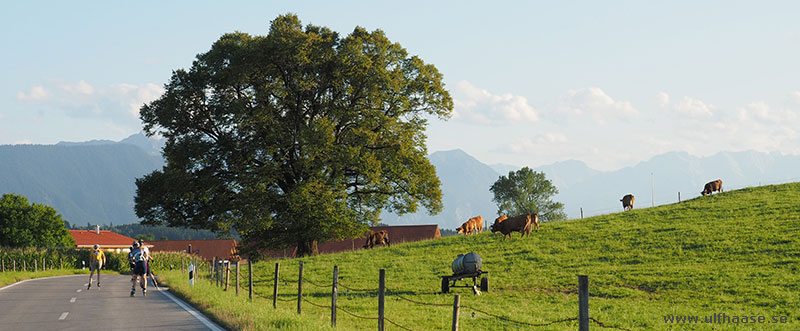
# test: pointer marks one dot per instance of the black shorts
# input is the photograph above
(139, 268)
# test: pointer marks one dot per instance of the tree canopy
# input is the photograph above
(293, 138)
(31, 225)
(526, 192)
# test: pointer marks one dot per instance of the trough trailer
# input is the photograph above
(464, 267)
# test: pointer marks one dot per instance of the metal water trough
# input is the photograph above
(466, 266)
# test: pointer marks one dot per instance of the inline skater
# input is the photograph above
(97, 260)
(138, 259)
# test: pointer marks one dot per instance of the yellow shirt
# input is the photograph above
(98, 255)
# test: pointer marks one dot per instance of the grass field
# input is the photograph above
(734, 253)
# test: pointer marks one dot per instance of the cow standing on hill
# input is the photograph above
(712, 186)
(521, 223)
(377, 238)
(474, 224)
(627, 202)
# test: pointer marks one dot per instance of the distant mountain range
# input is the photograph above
(91, 182)
(94, 182)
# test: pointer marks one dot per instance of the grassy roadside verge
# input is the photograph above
(236, 312)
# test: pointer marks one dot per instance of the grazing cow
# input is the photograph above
(535, 221)
(627, 202)
(377, 238)
(712, 186)
(474, 224)
(478, 222)
(521, 223)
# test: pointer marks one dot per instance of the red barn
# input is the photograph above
(208, 249)
(108, 241)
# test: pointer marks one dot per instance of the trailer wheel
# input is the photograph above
(485, 284)
(445, 284)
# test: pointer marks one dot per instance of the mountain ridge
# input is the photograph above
(94, 181)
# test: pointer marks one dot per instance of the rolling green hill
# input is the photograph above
(736, 253)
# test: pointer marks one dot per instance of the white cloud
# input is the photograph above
(37, 93)
(795, 98)
(116, 103)
(22, 142)
(662, 99)
(132, 96)
(550, 137)
(594, 102)
(546, 141)
(79, 88)
(480, 106)
(694, 108)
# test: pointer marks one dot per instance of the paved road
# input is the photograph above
(64, 303)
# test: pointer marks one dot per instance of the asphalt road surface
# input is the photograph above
(64, 303)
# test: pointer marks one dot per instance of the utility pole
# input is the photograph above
(652, 190)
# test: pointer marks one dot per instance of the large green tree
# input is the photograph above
(31, 225)
(294, 138)
(525, 192)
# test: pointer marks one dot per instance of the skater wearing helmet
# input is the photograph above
(138, 259)
(96, 261)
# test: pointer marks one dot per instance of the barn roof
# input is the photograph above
(206, 248)
(397, 234)
(106, 239)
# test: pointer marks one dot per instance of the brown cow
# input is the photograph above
(478, 222)
(377, 238)
(501, 218)
(535, 221)
(712, 186)
(474, 224)
(627, 202)
(521, 223)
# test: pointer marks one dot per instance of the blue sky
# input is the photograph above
(610, 83)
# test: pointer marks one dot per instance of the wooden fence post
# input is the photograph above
(679, 196)
(275, 287)
(381, 292)
(456, 307)
(583, 303)
(227, 274)
(35, 265)
(237, 278)
(300, 288)
(213, 273)
(250, 275)
(334, 294)
(61, 262)
(24, 266)
(581, 212)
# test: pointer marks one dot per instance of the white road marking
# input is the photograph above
(79, 291)
(63, 316)
(211, 325)
(72, 300)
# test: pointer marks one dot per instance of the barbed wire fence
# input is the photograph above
(456, 306)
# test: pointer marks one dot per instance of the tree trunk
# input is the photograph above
(307, 248)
